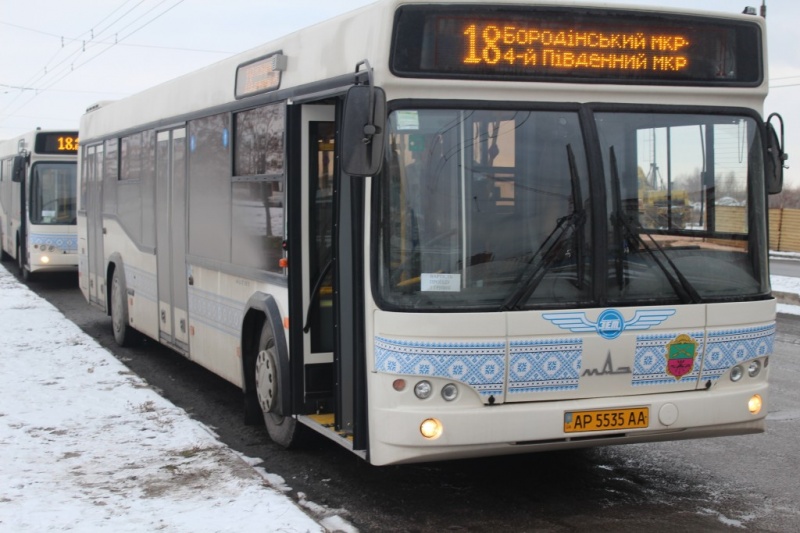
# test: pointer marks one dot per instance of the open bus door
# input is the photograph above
(18, 174)
(328, 383)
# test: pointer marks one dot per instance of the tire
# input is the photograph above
(23, 273)
(3, 255)
(124, 334)
(283, 430)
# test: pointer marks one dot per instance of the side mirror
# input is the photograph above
(363, 125)
(18, 170)
(776, 157)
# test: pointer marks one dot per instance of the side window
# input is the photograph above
(110, 176)
(111, 160)
(131, 167)
(259, 141)
(210, 187)
(258, 187)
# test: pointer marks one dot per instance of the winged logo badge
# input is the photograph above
(610, 324)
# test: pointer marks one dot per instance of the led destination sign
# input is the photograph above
(573, 45)
(57, 143)
(260, 76)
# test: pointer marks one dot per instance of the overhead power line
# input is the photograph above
(62, 70)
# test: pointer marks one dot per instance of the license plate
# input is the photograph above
(606, 419)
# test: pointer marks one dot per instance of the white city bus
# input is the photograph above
(38, 201)
(424, 229)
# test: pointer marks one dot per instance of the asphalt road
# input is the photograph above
(733, 483)
(784, 267)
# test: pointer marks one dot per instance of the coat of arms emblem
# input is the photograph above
(681, 353)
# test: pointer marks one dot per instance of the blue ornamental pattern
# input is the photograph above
(549, 365)
(729, 348)
(480, 365)
(62, 241)
(218, 312)
(650, 360)
(144, 284)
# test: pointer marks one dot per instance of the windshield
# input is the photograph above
(53, 194)
(485, 208)
(686, 207)
(491, 210)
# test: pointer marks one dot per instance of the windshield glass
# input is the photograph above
(484, 208)
(686, 206)
(53, 194)
(491, 210)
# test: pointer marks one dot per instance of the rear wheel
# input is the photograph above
(124, 334)
(268, 384)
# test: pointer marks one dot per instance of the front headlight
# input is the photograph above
(423, 389)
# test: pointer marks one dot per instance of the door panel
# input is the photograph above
(94, 212)
(318, 130)
(171, 236)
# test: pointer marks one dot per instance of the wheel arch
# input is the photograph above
(263, 309)
(114, 263)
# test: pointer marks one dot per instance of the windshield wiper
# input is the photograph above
(681, 285)
(536, 270)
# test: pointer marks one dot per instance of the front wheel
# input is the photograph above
(24, 273)
(282, 429)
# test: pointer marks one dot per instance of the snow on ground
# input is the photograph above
(88, 446)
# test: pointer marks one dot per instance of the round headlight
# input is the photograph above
(450, 392)
(423, 389)
(736, 373)
(754, 368)
(754, 404)
(431, 428)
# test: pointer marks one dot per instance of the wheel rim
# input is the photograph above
(266, 380)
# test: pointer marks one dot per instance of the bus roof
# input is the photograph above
(332, 49)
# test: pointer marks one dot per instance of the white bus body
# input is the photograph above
(38, 206)
(510, 296)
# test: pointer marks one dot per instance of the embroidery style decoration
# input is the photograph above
(728, 348)
(549, 365)
(480, 365)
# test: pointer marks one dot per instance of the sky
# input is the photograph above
(58, 58)
(87, 446)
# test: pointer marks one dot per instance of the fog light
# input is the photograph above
(431, 428)
(423, 389)
(44, 259)
(399, 384)
(754, 368)
(754, 404)
(736, 373)
(450, 392)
